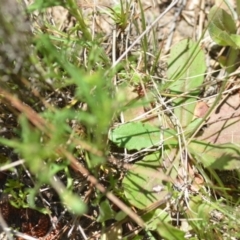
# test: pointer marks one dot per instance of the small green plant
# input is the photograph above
(120, 14)
(18, 196)
(148, 181)
(223, 30)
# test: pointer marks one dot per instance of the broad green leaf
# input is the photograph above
(220, 156)
(222, 38)
(184, 110)
(186, 69)
(145, 183)
(168, 232)
(222, 20)
(198, 206)
(137, 135)
(236, 39)
(106, 212)
(192, 126)
(156, 217)
(199, 209)
(221, 26)
(119, 216)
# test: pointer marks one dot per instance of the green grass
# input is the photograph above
(97, 121)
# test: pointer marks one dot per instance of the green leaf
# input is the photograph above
(120, 215)
(221, 26)
(168, 232)
(236, 39)
(49, 170)
(73, 203)
(186, 60)
(192, 126)
(220, 37)
(154, 218)
(145, 183)
(222, 20)
(186, 69)
(41, 4)
(220, 156)
(184, 110)
(106, 212)
(136, 135)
